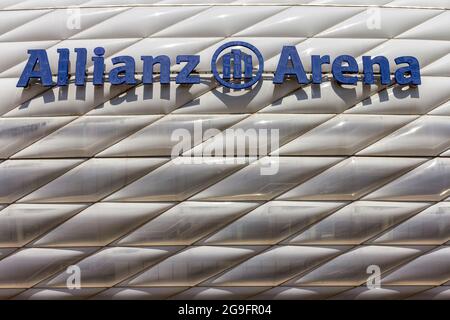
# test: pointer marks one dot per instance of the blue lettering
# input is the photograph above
(409, 74)
(383, 63)
(164, 69)
(122, 74)
(316, 67)
(289, 55)
(63, 67)
(99, 66)
(38, 58)
(185, 74)
(80, 67)
(236, 64)
(338, 69)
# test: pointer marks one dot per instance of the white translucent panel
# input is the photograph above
(13, 96)
(442, 110)
(18, 133)
(379, 23)
(111, 265)
(431, 29)
(14, 19)
(210, 2)
(172, 132)
(5, 251)
(100, 224)
(153, 99)
(20, 177)
(383, 293)
(138, 293)
(327, 97)
(21, 223)
(274, 266)
(351, 178)
(272, 222)
(344, 135)
(357, 222)
(9, 293)
(94, 179)
(431, 268)
(7, 3)
(266, 178)
(58, 294)
(219, 21)
(59, 24)
(350, 268)
(186, 223)
(421, 3)
(233, 240)
(16, 66)
(438, 293)
(265, 132)
(32, 4)
(431, 226)
(350, 2)
(428, 182)
(14, 53)
(85, 136)
(27, 267)
(222, 293)
(222, 100)
(427, 136)
(304, 293)
(234, 2)
(327, 46)
(66, 101)
(192, 266)
(299, 22)
(178, 179)
(407, 100)
(118, 2)
(439, 68)
(149, 20)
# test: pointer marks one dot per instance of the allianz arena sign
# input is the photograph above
(237, 68)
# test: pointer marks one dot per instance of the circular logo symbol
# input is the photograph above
(237, 57)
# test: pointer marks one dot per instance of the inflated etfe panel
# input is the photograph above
(355, 181)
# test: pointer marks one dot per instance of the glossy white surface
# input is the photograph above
(86, 174)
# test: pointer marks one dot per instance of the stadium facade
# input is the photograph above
(131, 170)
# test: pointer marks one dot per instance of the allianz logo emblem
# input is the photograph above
(237, 57)
(235, 65)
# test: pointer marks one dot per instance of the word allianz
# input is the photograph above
(344, 68)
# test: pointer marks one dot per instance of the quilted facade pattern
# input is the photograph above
(88, 179)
